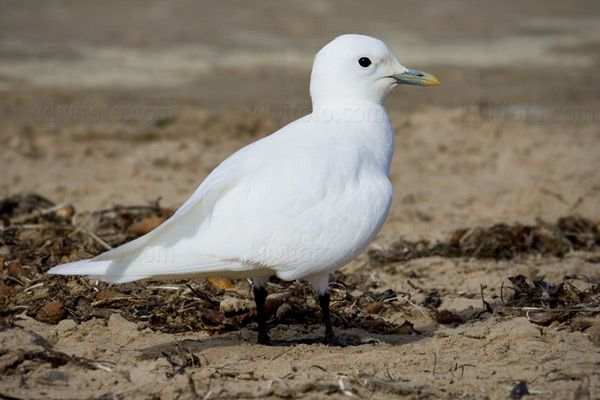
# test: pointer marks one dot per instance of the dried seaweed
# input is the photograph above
(500, 242)
(45, 237)
(12, 358)
(545, 304)
(37, 235)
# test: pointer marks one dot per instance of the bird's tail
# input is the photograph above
(186, 267)
(95, 270)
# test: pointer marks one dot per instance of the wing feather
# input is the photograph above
(168, 250)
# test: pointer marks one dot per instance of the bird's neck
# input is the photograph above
(367, 122)
(350, 111)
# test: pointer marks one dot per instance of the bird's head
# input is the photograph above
(360, 68)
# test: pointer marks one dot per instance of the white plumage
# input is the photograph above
(300, 203)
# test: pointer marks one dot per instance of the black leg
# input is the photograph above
(260, 295)
(330, 338)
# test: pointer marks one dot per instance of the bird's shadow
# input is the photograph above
(348, 338)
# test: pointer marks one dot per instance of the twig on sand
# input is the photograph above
(24, 226)
(9, 397)
(37, 285)
(486, 305)
(387, 369)
(150, 287)
(462, 368)
(98, 239)
(416, 306)
(280, 354)
(38, 213)
(154, 207)
(192, 387)
(561, 310)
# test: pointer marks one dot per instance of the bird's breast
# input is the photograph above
(313, 205)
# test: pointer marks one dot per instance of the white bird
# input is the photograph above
(299, 204)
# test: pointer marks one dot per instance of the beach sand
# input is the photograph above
(122, 104)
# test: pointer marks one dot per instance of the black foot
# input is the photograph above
(332, 340)
(260, 295)
(264, 339)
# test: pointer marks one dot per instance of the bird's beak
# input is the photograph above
(414, 77)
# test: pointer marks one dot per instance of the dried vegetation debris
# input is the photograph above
(500, 242)
(562, 305)
(37, 235)
(43, 352)
(541, 302)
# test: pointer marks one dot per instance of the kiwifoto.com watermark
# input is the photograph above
(281, 113)
(290, 112)
(83, 112)
(501, 112)
(145, 255)
(280, 255)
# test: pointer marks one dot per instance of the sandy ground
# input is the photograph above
(114, 103)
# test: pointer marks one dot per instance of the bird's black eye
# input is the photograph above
(364, 62)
